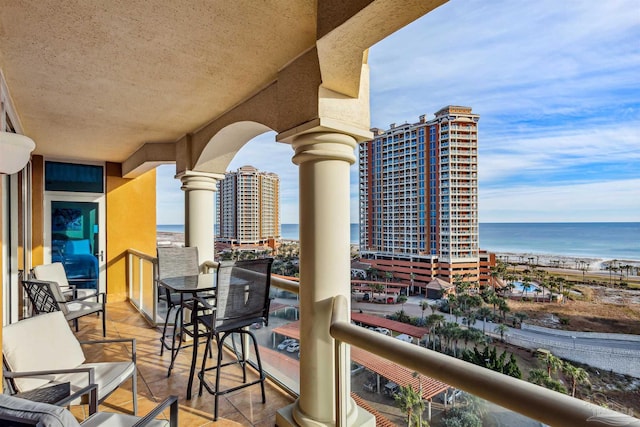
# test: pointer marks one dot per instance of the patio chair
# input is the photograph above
(55, 272)
(175, 262)
(242, 299)
(42, 350)
(46, 297)
(17, 412)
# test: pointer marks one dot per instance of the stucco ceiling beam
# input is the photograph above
(345, 33)
(147, 157)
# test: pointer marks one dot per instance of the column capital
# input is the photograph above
(194, 180)
(324, 146)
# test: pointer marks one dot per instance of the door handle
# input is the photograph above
(101, 256)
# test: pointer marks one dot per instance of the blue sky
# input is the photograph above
(557, 88)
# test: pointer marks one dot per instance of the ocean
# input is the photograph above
(608, 240)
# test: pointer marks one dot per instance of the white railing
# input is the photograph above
(143, 294)
(533, 401)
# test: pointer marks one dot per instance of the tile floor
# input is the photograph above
(243, 407)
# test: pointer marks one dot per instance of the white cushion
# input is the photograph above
(108, 376)
(40, 343)
(55, 273)
(107, 419)
(46, 415)
(52, 273)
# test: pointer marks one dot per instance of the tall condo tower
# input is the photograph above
(419, 196)
(248, 207)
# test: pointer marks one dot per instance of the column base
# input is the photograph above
(284, 418)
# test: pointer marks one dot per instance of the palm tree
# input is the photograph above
(402, 299)
(537, 376)
(483, 313)
(521, 316)
(501, 329)
(526, 285)
(409, 402)
(576, 375)
(537, 291)
(423, 306)
(433, 323)
(552, 361)
(379, 288)
(388, 275)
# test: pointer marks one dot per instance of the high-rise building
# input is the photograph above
(248, 207)
(419, 198)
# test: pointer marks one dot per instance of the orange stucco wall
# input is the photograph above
(37, 210)
(131, 224)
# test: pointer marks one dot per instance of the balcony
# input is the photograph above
(366, 347)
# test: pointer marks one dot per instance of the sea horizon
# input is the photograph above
(600, 240)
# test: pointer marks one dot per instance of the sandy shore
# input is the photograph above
(165, 238)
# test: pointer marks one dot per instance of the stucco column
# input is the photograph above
(324, 160)
(199, 215)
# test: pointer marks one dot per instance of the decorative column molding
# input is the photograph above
(324, 159)
(199, 213)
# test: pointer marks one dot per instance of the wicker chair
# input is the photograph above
(242, 299)
(47, 297)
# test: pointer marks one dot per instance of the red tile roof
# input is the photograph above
(390, 370)
(381, 420)
(403, 328)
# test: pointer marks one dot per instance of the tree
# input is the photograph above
(423, 306)
(504, 309)
(459, 417)
(483, 313)
(552, 362)
(434, 322)
(402, 299)
(388, 275)
(409, 402)
(576, 376)
(379, 288)
(501, 329)
(526, 285)
(521, 316)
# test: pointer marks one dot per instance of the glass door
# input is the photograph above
(74, 237)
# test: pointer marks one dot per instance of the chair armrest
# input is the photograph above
(172, 402)
(91, 390)
(114, 341)
(210, 265)
(98, 296)
(14, 374)
(202, 300)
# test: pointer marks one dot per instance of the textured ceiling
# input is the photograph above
(98, 79)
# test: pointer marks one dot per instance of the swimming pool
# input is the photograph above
(517, 286)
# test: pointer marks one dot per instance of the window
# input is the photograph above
(73, 177)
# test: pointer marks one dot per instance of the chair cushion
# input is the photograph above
(46, 415)
(108, 376)
(52, 273)
(55, 272)
(40, 343)
(76, 309)
(107, 419)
